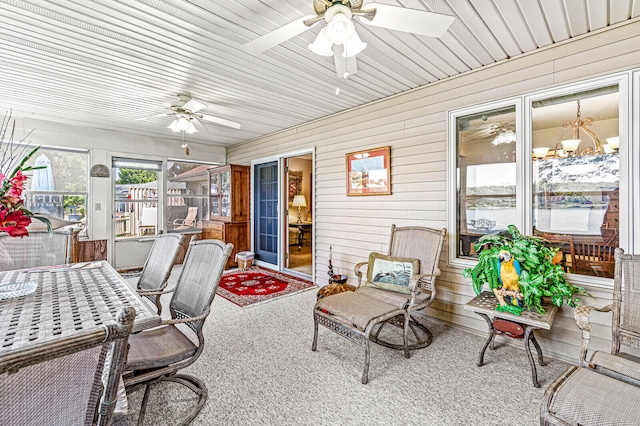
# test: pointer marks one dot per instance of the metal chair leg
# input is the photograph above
(145, 399)
(367, 353)
(314, 345)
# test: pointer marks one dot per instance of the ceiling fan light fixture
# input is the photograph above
(191, 129)
(174, 125)
(340, 29)
(353, 46)
(183, 124)
(322, 45)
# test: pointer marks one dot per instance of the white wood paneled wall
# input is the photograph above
(414, 125)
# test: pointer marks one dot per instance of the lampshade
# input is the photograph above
(340, 29)
(183, 124)
(299, 201)
(353, 45)
(192, 128)
(540, 152)
(174, 125)
(614, 142)
(570, 145)
(322, 45)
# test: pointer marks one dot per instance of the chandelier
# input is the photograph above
(571, 147)
(503, 135)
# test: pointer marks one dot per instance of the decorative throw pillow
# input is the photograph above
(391, 273)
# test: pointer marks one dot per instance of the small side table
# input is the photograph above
(485, 305)
(337, 286)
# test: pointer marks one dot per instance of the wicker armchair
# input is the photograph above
(360, 316)
(38, 249)
(62, 381)
(157, 268)
(158, 354)
(601, 390)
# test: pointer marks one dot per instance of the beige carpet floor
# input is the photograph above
(260, 370)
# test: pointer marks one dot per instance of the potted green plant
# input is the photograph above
(521, 270)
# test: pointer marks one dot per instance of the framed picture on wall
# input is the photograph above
(369, 172)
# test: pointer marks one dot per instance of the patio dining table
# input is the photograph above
(68, 300)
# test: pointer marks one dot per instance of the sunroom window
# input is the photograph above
(59, 187)
(486, 181)
(187, 194)
(564, 184)
(576, 177)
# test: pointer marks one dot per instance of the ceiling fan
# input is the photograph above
(186, 112)
(339, 38)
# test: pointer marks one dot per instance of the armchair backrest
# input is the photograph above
(157, 268)
(626, 301)
(420, 243)
(201, 272)
(61, 381)
(39, 248)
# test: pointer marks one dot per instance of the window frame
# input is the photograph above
(629, 167)
(86, 193)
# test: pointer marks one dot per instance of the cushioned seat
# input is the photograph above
(356, 309)
(158, 346)
(620, 364)
(400, 300)
(581, 396)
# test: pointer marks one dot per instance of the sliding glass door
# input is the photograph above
(266, 212)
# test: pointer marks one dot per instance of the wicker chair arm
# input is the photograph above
(185, 320)
(581, 315)
(413, 284)
(155, 292)
(358, 272)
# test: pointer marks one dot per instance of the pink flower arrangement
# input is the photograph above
(14, 216)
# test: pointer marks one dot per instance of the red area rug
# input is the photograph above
(256, 285)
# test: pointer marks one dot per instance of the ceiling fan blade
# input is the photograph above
(199, 126)
(278, 36)
(408, 20)
(154, 116)
(221, 121)
(193, 105)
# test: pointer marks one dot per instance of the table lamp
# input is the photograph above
(299, 201)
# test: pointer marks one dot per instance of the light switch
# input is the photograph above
(97, 207)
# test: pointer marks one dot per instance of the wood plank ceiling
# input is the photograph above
(104, 64)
